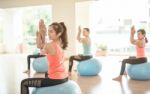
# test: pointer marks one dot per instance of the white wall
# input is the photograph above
(82, 13)
(82, 18)
(21, 3)
(12, 27)
(8, 39)
(66, 12)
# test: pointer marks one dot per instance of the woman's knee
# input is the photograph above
(29, 56)
(24, 82)
(71, 58)
(124, 61)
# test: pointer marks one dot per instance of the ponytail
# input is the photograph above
(146, 40)
(64, 37)
(143, 33)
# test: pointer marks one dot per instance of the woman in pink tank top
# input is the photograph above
(140, 50)
(57, 73)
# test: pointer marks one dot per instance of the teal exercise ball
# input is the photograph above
(139, 71)
(40, 64)
(69, 87)
(90, 67)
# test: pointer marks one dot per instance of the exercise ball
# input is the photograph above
(69, 87)
(139, 71)
(40, 64)
(90, 67)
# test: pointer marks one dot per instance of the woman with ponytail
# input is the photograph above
(140, 50)
(53, 50)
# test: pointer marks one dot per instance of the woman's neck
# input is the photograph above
(86, 36)
(141, 38)
(57, 41)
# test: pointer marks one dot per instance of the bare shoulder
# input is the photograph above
(86, 40)
(140, 43)
(50, 48)
(83, 40)
(49, 45)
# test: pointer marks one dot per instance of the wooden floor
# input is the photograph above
(12, 67)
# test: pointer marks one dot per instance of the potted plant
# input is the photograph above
(101, 50)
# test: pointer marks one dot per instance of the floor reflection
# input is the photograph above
(87, 83)
(139, 87)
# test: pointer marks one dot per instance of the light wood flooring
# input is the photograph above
(13, 65)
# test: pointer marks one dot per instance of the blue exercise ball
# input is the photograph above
(90, 67)
(139, 71)
(40, 64)
(69, 87)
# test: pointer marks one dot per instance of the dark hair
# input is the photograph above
(143, 33)
(61, 28)
(87, 29)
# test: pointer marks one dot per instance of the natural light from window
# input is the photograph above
(111, 21)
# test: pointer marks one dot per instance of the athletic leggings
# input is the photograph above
(82, 58)
(131, 60)
(39, 82)
(32, 56)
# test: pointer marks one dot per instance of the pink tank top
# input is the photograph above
(56, 64)
(140, 52)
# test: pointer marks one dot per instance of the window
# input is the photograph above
(21, 24)
(111, 23)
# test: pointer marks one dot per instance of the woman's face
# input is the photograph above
(140, 35)
(85, 32)
(52, 33)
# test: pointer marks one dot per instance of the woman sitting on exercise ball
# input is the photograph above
(86, 42)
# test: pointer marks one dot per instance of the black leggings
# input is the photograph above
(32, 56)
(131, 60)
(39, 82)
(81, 58)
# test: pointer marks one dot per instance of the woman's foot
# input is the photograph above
(75, 70)
(125, 73)
(27, 71)
(119, 78)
